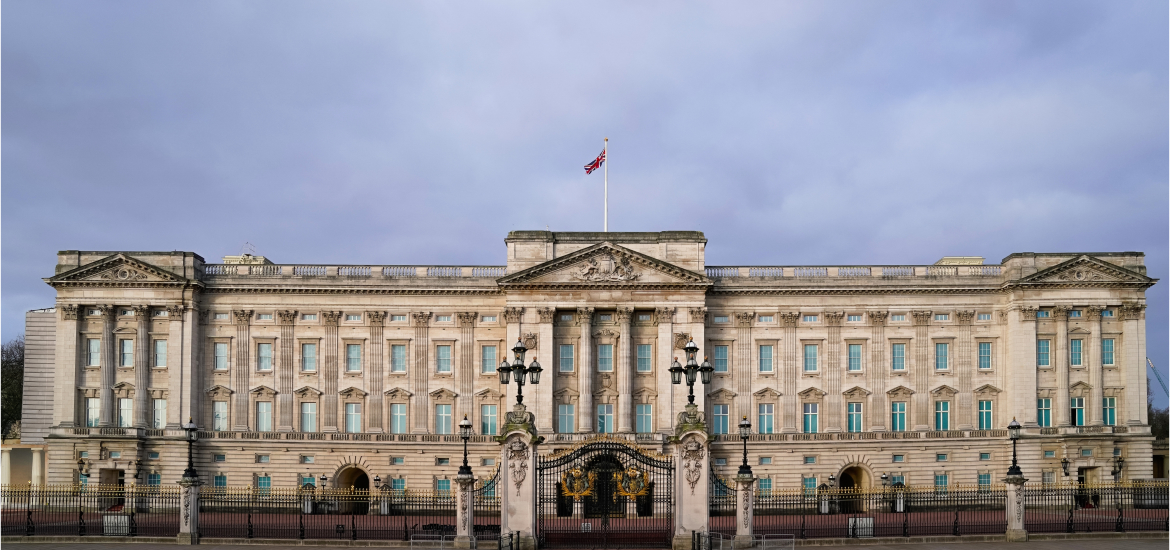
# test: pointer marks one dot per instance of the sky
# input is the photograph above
(827, 132)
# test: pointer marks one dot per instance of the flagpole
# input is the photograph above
(605, 155)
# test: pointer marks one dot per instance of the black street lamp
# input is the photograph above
(885, 480)
(1118, 464)
(465, 433)
(1014, 434)
(691, 370)
(323, 479)
(1064, 466)
(517, 368)
(832, 481)
(745, 430)
(190, 429)
(81, 469)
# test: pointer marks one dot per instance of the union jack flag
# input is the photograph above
(597, 162)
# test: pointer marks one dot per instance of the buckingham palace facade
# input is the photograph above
(297, 371)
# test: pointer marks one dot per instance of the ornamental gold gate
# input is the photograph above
(605, 493)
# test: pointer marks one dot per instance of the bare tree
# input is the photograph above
(11, 382)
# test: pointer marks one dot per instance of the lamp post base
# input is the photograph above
(187, 538)
(1016, 535)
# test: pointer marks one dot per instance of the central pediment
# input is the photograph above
(605, 264)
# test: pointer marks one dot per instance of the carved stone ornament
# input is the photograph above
(789, 318)
(877, 317)
(376, 317)
(242, 316)
(204, 316)
(1080, 274)
(691, 418)
(921, 317)
(69, 312)
(546, 314)
(122, 274)
(330, 318)
(142, 312)
(624, 314)
(833, 318)
(1029, 313)
(605, 333)
(531, 339)
(519, 415)
(421, 319)
(663, 315)
(175, 312)
(584, 316)
(747, 502)
(513, 314)
(606, 268)
(698, 314)
(692, 458)
(1060, 312)
(965, 317)
(286, 316)
(1093, 312)
(518, 462)
(681, 339)
(1132, 311)
(467, 318)
(745, 319)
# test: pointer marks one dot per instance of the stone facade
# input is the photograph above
(296, 371)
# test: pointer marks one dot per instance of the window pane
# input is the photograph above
(308, 357)
(264, 357)
(898, 357)
(644, 357)
(1107, 351)
(644, 419)
(565, 357)
(308, 417)
(940, 356)
(984, 355)
(898, 416)
(442, 419)
(219, 416)
(605, 418)
(721, 419)
(605, 358)
(854, 357)
(159, 419)
(160, 353)
(125, 412)
(1075, 352)
(443, 358)
(720, 359)
(487, 420)
(94, 353)
(765, 358)
(398, 358)
(854, 420)
(1042, 353)
(766, 414)
(398, 418)
(127, 353)
(264, 416)
(487, 359)
(353, 357)
(810, 418)
(353, 417)
(565, 419)
(810, 357)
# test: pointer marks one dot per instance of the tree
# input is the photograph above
(1159, 418)
(11, 382)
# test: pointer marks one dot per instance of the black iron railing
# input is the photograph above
(90, 510)
(1079, 508)
(721, 495)
(485, 501)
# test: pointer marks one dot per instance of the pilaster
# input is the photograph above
(376, 366)
(542, 393)
(1060, 363)
(513, 317)
(109, 369)
(664, 319)
(698, 318)
(745, 363)
(242, 370)
(1092, 360)
(625, 373)
(1133, 363)
(920, 370)
(833, 404)
(142, 405)
(1022, 364)
(179, 377)
(69, 365)
(963, 367)
(789, 372)
(585, 371)
(878, 371)
(329, 371)
(465, 374)
(420, 371)
(286, 370)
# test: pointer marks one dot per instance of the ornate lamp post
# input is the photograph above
(465, 433)
(1118, 464)
(1014, 434)
(691, 370)
(1064, 466)
(517, 368)
(745, 430)
(190, 429)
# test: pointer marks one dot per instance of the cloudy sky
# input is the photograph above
(420, 133)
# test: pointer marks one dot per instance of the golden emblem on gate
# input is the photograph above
(632, 483)
(576, 483)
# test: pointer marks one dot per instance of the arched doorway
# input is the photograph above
(854, 480)
(358, 502)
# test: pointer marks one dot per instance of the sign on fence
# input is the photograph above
(116, 525)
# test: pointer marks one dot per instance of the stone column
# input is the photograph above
(964, 369)
(878, 371)
(517, 485)
(585, 371)
(179, 379)
(377, 363)
(330, 371)
(744, 510)
(920, 370)
(38, 467)
(286, 369)
(1022, 365)
(420, 372)
(542, 402)
(1092, 360)
(512, 316)
(142, 405)
(5, 467)
(1060, 364)
(467, 371)
(109, 369)
(832, 370)
(189, 519)
(1133, 363)
(790, 372)
(664, 319)
(242, 370)
(1014, 509)
(464, 512)
(625, 373)
(67, 368)
(746, 368)
(691, 453)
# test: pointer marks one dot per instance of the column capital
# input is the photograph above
(286, 316)
(789, 318)
(584, 316)
(698, 314)
(663, 315)
(921, 317)
(624, 314)
(105, 310)
(513, 314)
(242, 316)
(176, 310)
(421, 318)
(1028, 313)
(141, 311)
(1060, 313)
(877, 317)
(965, 316)
(546, 314)
(1132, 311)
(68, 312)
(833, 318)
(466, 318)
(744, 319)
(1093, 312)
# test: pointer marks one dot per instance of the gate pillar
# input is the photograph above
(189, 503)
(464, 511)
(691, 453)
(518, 477)
(745, 510)
(1014, 508)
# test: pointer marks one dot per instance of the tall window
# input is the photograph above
(898, 416)
(442, 419)
(442, 358)
(565, 358)
(1042, 347)
(984, 481)
(809, 485)
(353, 418)
(264, 357)
(605, 358)
(644, 419)
(854, 424)
(941, 351)
(605, 418)
(765, 358)
(940, 483)
(398, 418)
(154, 478)
(1074, 356)
(443, 486)
(398, 484)
(985, 415)
(126, 354)
(767, 413)
(1109, 410)
(219, 416)
(810, 418)
(264, 416)
(309, 357)
(854, 357)
(125, 412)
(721, 419)
(765, 486)
(898, 357)
(219, 480)
(353, 358)
(487, 419)
(720, 359)
(1078, 411)
(398, 358)
(1107, 351)
(566, 419)
(984, 355)
(308, 417)
(93, 411)
(942, 415)
(644, 360)
(221, 355)
(160, 353)
(487, 359)
(1044, 412)
(159, 418)
(93, 352)
(810, 357)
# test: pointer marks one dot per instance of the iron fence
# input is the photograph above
(90, 510)
(1079, 508)
(720, 504)
(486, 508)
(312, 513)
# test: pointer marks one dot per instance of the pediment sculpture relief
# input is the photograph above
(606, 268)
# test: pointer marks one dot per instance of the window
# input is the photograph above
(898, 416)
(984, 456)
(605, 317)
(898, 317)
(984, 355)
(898, 357)
(644, 352)
(1048, 477)
(263, 459)
(605, 418)
(764, 460)
(159, 419)
(942, 415)
(765, 485)
(264, 357)
(1117, 451)
(810, 358)
(219, 416)
(397, 460)
(398, 418)
(720, 359)
(565, 358)
(443, 419)
(160, 313)
(721, 462)
(358, 317)
(126, 355)
(767, 412)
(854, 357)
(487, 359)
(398, 484)
(1078, 411)
(220, 458)
(126, 312)
(765, 358)
(160, 353)
(1074, 356)
(983, 317)
(443, 318)
(397, 318)
(309, 317)
(940, 356)
(264, 416)
(1049, 454)
(1042, 352)
(263, 483)
(605, 358)
(125, 412)
(221, 355)
(219, 480)
(154, 478)
(264, 317)
(940, 483)
(1107, 351)
(115, 454)
(1042, 314)
(442, 461)
(221, 316)
(443, 485)
(1086, 452)
(853, 318)
(308, 480)
(721, 419)
(308, 417)
(643, 316)
(566, 316)
(767, 319)
(93, 411)
(810, 460)
(810, 318)
(984, 482)
(353, 418)
(809, 484)
(810, 418)
(93, 352)
(487, 419)
(985, 414)
(308, 357)
(721, 319)
(488, 319)
(898, 479)
(566, 419)
(942, 317)
(353, 357)
(940, 457)
(1107, 313)
(1044, 412)
(1109, 411)
(854, 421)
(643, 419)
(487, 462)
(398, 358)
